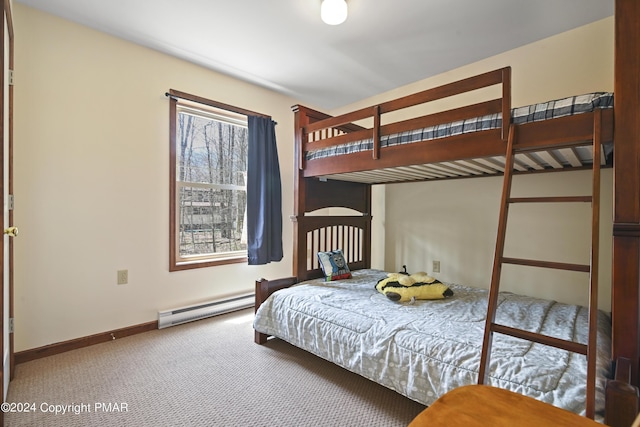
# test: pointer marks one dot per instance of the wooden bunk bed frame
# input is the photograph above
(345, 181)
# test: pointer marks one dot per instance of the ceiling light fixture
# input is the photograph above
(333, 12)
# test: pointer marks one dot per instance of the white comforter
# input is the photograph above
(428, 348)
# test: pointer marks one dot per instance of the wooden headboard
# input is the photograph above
(315, 233)
(351, 234)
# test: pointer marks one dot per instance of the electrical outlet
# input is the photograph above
(436, 266)
(123, 277)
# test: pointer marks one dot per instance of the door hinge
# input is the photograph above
(11, 325)
(10, 77)
(10, 202)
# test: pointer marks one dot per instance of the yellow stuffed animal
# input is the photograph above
(402, 287)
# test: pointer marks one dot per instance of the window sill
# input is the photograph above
(189, 265)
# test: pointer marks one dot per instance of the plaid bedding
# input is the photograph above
(528, 114)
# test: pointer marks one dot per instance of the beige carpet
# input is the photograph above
(205, 373)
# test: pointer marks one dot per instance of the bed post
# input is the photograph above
(626, 210)
(621, 397)
(506, 102)
(261, 291)
(301, 120)
(264, 288)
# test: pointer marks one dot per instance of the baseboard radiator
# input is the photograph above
(178, 316)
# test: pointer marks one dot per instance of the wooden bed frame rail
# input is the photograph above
(321, 131)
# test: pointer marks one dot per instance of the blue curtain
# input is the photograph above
(264, 193)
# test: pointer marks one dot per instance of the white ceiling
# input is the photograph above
(283, 45)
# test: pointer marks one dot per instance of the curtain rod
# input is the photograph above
(193, 98)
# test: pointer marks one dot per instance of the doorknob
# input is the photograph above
(11, 231)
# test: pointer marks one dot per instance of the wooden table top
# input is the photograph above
(482, 405)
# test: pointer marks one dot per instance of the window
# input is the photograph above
(208, 172)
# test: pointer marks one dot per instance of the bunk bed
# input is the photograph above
(338, 159)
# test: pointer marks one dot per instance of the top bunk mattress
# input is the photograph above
(425, 349)
(521, 115)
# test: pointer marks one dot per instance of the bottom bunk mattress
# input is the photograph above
(424, 349)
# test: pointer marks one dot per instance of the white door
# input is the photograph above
(5, 214)
(5, 252)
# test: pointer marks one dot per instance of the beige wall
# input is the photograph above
(91, 181)
(455, 222)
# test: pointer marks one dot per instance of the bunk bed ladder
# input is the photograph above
(589, 349)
